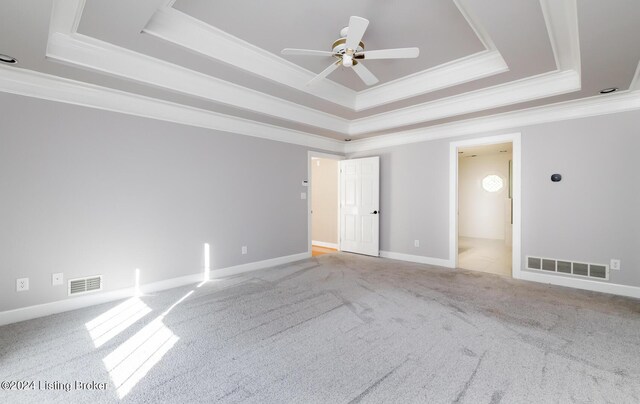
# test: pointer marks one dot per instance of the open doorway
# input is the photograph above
(324, 198)
(485, 210)
(485, 219)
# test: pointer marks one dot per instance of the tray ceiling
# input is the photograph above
(209, 56)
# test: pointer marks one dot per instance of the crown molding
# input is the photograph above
(574, 109)
(475, 24)
(53, 88)
(104, 57)
(94, 54)
(635, 82)
(183, 30)
(541, 86)
(470, 68)
(39, 85)
(561, 18)
(65, 16)
(98, 55)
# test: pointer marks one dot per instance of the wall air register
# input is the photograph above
(81, 286)
(571, 268)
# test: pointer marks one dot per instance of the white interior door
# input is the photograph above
(359, 205)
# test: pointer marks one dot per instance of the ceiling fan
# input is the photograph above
(349, 50)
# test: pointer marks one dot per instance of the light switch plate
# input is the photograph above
(57, 279)
(22, 284)
(416, 243)
(303, 195)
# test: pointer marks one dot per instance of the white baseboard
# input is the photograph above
(46, 309)
(577, 283)
(417, 258)
(252, 266)
(324, 244)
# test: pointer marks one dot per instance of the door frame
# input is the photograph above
(514, 139)
(321, 155)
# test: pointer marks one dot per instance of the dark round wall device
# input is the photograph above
(556, 177)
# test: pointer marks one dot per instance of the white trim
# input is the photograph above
(475, 24)
(35, 84)
(54, 88)
(531, 88)
(310, 155)
(183, 30)
(561, 18)
(416, 258)
(460, 71)
(593, 106)
(324, 244)
(253, 266)
(65, 16)
(635, 82)
(513, 138)
(74, 303)
(578, 283)
(90, 53)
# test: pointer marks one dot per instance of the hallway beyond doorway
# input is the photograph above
(486, 255)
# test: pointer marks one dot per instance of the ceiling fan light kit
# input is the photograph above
(350, 51)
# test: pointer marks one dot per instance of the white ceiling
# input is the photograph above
(223, 57)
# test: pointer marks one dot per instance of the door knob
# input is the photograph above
(375, 212)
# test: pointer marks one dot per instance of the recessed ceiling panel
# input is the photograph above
(437, 27)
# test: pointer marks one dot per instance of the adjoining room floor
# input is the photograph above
(338, 328)
(485, 255)
(317, 250)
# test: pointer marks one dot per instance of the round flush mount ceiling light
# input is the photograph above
(8, 59)
(609, 90)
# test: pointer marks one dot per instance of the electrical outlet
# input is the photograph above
(416, 243)
(22, 284)
(244, 249)
(615, 264)
(57, 279)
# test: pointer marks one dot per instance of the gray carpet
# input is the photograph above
(338, 328)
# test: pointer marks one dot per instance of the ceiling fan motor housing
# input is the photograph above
(340, 47)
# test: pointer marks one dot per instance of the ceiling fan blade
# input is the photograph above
(400, 53)
(306, 52)
(365, 74)
(324, 73)
(357, 26)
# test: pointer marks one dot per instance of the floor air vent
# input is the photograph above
(85, 285)
(563, 267)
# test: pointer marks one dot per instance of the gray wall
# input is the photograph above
(593, 215)
(86, 192)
